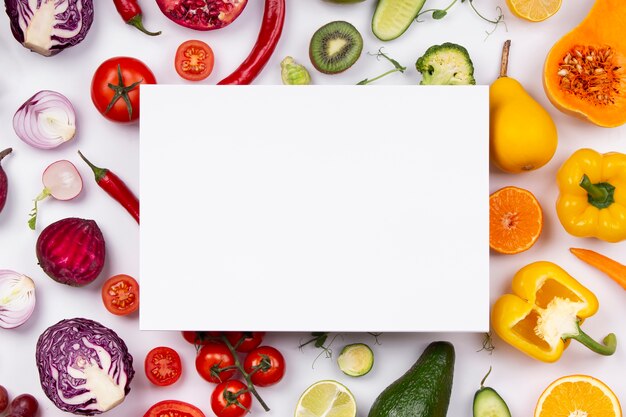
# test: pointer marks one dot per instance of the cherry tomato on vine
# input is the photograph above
(245, 341)
(173, 408)
(231, 399)
(163, 366)
(115, 88)
(266, 365)
(201, 338)
(194, 60)
(120, 294)
(211, 361)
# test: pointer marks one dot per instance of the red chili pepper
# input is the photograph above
(271, 29)
(116, 188)
(131, 13)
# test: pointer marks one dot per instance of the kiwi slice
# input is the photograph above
(335, 47)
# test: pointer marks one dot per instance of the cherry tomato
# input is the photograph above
(245, 341)
(201, 338)
(120, 294)
(163, 366)
(266, 366)
(24, 405)
(173, 408)
(211, 359)
(124, 74)
(194, 60)
(231, 399)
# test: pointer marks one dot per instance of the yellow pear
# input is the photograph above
(523, 136)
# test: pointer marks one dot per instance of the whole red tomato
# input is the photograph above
(266, 365)
(200, 338)
(245, 341)
(231, 399)
(115, 88)
(211, 361)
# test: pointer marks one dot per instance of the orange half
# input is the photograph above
(578, 395)
(515, 220)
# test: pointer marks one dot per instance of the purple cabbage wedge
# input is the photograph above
(84, 367)
(49, 26)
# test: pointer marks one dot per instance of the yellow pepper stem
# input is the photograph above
(606, 349)
(600, 195)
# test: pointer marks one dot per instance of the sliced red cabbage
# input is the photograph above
(49, 26)
(84, 367)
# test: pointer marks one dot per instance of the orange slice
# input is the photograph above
(515, 220)
(578, 395)
(534, 10)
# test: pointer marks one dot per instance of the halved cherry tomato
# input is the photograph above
(163, 366)
(231, 399)
(201, 338)
(211, 361)
(266, 365)
(194, 60)
(115, 88)
(174, 408)
(245, 341)
(120, 294)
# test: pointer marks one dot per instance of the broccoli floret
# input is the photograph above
(447, 64)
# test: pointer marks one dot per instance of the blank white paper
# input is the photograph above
(314, 208)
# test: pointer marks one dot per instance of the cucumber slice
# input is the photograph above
(356, 359)
(488, 403)
(393, 17)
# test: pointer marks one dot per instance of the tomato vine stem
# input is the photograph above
(246, 376)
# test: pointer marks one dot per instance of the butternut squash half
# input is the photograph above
(585, 71)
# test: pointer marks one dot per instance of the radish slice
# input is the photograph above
(62, 181)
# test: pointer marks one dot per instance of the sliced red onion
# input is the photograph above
(17, 299)
(46, 120)
(62, 181)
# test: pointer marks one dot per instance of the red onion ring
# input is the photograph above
(46, 120)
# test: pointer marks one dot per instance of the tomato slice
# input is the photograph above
(194, 60)
(173, 408)
(163, 366)
(120, 294)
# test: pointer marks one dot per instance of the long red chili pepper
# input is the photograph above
(131, 13)
(271, 29)
(116, 188)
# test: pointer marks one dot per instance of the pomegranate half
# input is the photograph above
(71, 251)
(202, 14)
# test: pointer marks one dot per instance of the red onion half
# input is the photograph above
(17, 299)
(46, 120)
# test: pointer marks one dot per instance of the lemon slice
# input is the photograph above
(534, 10)
(326, 399)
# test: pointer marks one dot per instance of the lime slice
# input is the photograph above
(326, 399)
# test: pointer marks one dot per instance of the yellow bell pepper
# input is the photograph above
(592, 202)
(545, 311)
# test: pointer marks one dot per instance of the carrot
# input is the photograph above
(615, 270)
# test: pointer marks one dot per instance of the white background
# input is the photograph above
(519, 379)
(355, 206)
